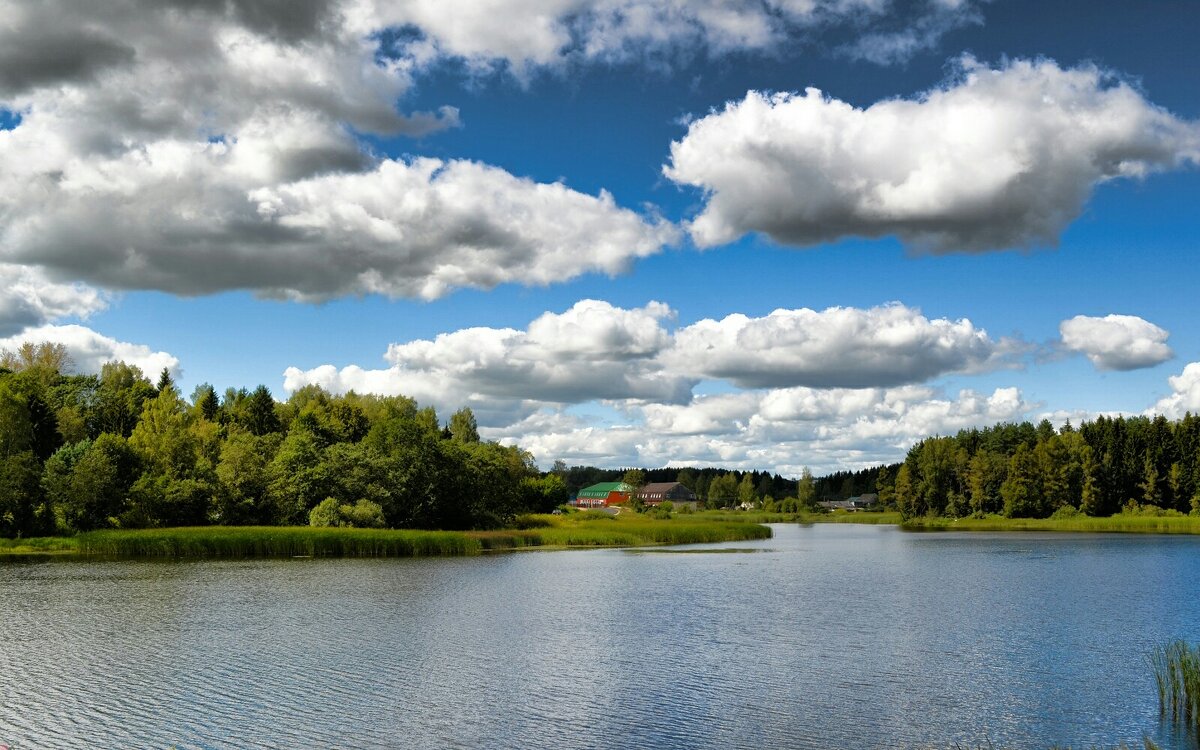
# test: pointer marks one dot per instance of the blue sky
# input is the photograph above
(989, 213)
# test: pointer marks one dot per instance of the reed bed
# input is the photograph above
(274, 541)
(1177, 674)
(45, 545)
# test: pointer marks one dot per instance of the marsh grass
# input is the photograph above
(46, 545)
(1177, 674)
(534, 531)
(274, 541)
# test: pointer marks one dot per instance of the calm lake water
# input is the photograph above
(823, 637)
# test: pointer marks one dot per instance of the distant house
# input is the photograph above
(657, 492)
(853, 505)
(603, 494)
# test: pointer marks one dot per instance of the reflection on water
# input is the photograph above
(828, 637)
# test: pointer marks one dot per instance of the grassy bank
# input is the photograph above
(625, 530)
(1121, 523)
(552, 532)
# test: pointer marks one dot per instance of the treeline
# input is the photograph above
(81, 452)
(1106, 466)
(747, 486)
(757, 485)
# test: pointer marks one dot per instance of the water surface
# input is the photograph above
(830, 636)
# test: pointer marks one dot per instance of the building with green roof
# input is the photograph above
(603, 494)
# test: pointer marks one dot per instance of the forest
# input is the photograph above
(1110, 465)
(115, 450)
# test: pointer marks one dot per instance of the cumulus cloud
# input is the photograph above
(1185, 394)
(592, 351)
(1116, 342)
(806, 381)
(840, 346)
(29, 298)
(996, 158)
(89, 350)
(194, 147)
(595, 351)
(787, 429)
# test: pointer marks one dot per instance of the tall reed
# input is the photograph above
(1177, 674)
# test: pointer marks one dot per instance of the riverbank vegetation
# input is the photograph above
(529, 532)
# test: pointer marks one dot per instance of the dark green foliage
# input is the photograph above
(259, 416)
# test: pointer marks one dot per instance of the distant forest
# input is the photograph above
(1109, 465)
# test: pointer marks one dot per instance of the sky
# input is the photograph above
(758, 234)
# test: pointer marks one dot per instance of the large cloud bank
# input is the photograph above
(997, 158)
(844, 380)
(194, 147)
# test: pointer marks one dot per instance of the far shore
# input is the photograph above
(533, 532)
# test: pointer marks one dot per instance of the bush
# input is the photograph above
(1066, 511)
(363, 515)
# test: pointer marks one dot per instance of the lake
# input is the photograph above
(827, 636)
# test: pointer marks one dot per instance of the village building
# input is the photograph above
(603, 494)
(853, 505)
(656, 492)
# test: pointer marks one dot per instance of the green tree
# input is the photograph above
(985, 477)
(120, 395)
(907, 500)
(242, 470)
(806, 491)
(1151, 490)
(204, 398)
(746, 495)
(463, 426)
(260, 417)
(87, 483)
(1022, 490)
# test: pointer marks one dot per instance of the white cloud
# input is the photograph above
(194, 147)
(996, 158)
(29, 298)
(89, 350)
(532, 386)
(590, 352)
(1116, 342)
(836, 347)
(595, 351)
(1185, 396)
(855, 428)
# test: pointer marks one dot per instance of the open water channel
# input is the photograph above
(822, 637)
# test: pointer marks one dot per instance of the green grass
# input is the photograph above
(1121, 523)
(274, 541)
(46, 545)
(551, 532)
(1177, 674)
